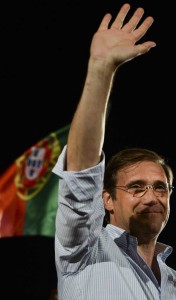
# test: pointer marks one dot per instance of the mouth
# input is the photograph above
(149, 212)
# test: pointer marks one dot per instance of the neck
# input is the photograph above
(147, 252)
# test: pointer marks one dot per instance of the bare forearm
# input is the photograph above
(86, 135)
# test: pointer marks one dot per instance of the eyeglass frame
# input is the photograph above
(145, 188)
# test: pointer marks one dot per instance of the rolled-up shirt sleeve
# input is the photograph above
(80, 214)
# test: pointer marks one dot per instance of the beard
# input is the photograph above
(147, 225)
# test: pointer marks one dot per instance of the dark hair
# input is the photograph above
(129, 157)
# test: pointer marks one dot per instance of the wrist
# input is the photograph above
(101, 68)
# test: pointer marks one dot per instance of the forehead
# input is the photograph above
(146, 170)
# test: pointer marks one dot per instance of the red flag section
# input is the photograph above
(29, 189)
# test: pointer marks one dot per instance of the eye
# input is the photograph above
(137, 188)
(133, 185)
(161, 187)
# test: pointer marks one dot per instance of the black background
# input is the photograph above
(44, 53)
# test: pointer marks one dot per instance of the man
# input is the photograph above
(122, 260)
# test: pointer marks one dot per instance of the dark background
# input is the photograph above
(44, 52)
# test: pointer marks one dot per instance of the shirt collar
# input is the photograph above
(123, 239)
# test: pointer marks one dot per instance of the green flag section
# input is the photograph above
(29, 189)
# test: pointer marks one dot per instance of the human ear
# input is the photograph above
(108, 202)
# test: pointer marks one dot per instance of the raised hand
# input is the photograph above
(117, 43)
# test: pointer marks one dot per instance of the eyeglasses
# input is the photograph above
(160, 190)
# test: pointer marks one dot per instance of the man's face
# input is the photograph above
(148, 214)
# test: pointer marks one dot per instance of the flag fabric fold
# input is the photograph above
(29, 189)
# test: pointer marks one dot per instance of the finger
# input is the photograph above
(118, 22)
(105, 22)
(134, 20)
(144, 47)
(142, 29)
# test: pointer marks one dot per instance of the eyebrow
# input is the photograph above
(143, 182)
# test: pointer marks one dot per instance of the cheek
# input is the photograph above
(167, 207)
(126, 205)
(166, 204)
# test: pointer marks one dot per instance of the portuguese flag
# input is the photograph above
(29, 189)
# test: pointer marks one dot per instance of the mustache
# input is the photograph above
(157, 208)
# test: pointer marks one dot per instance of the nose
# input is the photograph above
(149, 195)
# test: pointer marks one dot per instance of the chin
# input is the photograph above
(147, 226)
